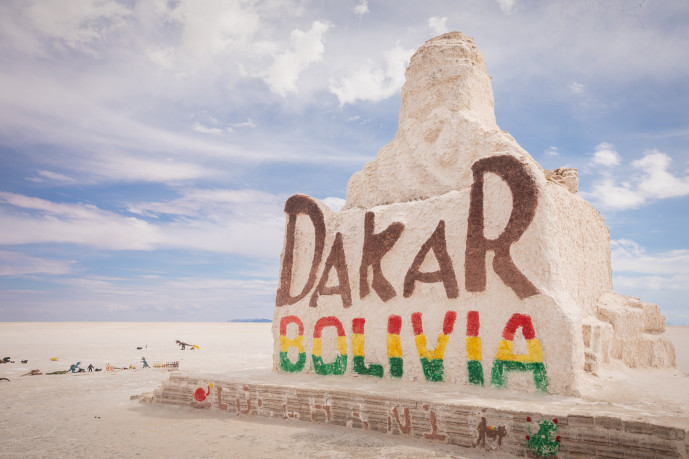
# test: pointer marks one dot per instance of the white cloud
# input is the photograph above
(70, 223)
(120, 167)
(248, 123)
(658, 277)
(657, 181)
(305, 49)
(610, 195)
(629, 257)
(361, 8)
(198, 127)
(438, 25)
(652, 181)
(576, 88)
(370, 82)
(76, 24)
(51, 176)
(551, 152)
(507, 5)
(335, 204)
(212, 27)
(20, 264)
(244, 222)
(606, 156)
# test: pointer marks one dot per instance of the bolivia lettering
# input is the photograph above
(505, 360)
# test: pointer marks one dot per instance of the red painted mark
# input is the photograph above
(200, 395)
(248, 403)
(449, 322)
(394, 325)
(433, 435)
(330, 321)
(358, 325)
(221, 406)
(364, 423)
(406, 427)
(416, 323)
(289, 320)
(473, 324)
(286, 414)
(516, 321)
(325, 408)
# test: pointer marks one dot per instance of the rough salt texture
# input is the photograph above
(425, 177)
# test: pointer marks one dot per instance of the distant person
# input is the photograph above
(90, 367)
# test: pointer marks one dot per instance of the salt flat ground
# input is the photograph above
(91, 414)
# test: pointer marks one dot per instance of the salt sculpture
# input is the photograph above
(456, 258)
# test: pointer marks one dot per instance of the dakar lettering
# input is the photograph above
(376, 245)
(326, 273)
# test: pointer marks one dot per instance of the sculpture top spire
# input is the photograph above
(446, 122)
(449, 73)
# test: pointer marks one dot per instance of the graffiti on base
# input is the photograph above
(199, 397)
(433, 434)
(495, 433)
(542, 442)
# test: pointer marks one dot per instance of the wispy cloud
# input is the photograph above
(305, 49)
(438, 25)
(198, 127)
(20, 264)
(551, 152)
(507, 6)
(630, 257)
(651, 180)
(361, 8)
(50, 176)
(223, 221)
(371, 82)
(606, 156)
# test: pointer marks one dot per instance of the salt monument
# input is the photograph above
(457, 258)
(463, 297)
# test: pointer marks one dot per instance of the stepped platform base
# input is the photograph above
(474, 419)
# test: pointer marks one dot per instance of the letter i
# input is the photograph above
(474, 365)
(395, 346)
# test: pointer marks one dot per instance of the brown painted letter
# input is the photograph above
(524, 203)
(445, 273)
(375, 247)
(338, 260)
(300, 204)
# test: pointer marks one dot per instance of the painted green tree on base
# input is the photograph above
(542, 442)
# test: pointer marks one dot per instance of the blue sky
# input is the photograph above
(147, 147)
